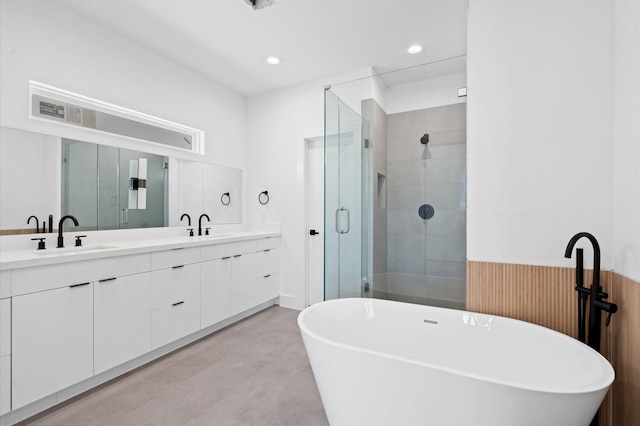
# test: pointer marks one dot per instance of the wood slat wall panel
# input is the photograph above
(625, 349)
(546, 296)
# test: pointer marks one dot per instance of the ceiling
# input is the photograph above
(229, 41)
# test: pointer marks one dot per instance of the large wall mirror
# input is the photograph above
(107, 187)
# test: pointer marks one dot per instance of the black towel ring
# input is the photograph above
(226, 194)
(263, 197)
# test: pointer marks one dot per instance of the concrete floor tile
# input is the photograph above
(255, 372)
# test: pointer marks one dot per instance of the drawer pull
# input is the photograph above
(106, 279)
(267, 250)
(177, 267)
(78, 285)
(267, 276)
(178, 248)
(178, 303)
(237, 255)
(225, 258)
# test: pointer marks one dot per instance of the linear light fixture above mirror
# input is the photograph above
(71, 109)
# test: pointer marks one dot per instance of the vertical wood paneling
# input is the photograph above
(625, 350)
(546, 296)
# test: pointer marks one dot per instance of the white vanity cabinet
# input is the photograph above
(52, 341)
(52, 324)
(62, 322)
(122, 320)
(175, 295)
(5, 342)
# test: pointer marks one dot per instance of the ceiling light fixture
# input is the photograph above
(259, 4)
(273, 60)
(415, 49)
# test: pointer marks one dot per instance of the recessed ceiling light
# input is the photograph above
(415, 49)
(273, 60)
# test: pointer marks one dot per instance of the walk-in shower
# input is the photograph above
(395, 203)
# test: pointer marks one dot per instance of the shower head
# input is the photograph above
(424, 139)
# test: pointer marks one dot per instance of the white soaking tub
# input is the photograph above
(378, 362)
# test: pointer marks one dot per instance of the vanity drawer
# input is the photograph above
(218, 251)
(266, 243)
(267, 288)
(180, 318)
(266, 262)
(5, 327)
(175, 257)
(40, 278)
(172, 285)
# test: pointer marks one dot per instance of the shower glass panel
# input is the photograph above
(343, 199)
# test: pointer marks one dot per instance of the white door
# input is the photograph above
(315, 233)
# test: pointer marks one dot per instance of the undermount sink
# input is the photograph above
(71, 250)
(207, 237)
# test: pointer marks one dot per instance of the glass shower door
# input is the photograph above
(343, 199)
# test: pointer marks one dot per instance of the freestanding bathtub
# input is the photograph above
(378, 362)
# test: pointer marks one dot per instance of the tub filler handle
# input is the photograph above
(342, 231)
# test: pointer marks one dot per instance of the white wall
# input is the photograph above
(44, 41)
(278, 123)
(423, 94)
(540, 120)
(626, 139)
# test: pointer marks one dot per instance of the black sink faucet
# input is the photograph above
(188, 219)
(62, 219)
(37, 223)
(200, 222)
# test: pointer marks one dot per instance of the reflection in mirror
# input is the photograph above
(32, 177)
(98, 187)
(201, 189)
(29, 179)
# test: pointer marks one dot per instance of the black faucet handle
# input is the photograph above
(41, 244)
(79, 241)
(610, 308)
(190, 231)
(611, 312)
(206, 231)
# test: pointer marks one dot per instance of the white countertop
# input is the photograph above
(97, 248)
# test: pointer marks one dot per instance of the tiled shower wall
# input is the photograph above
(426, 259)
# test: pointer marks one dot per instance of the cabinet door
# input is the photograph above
(122, 317)
(243, 283)
(215, 291)
(5, 327)
(5, 384)
(52, 342)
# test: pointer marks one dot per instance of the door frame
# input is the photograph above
(307, 141)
